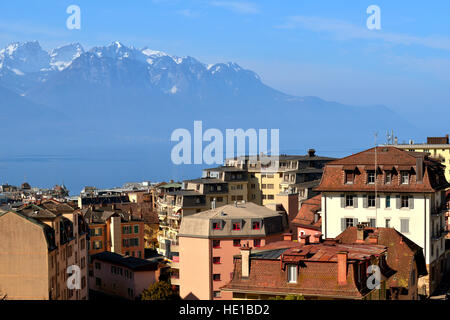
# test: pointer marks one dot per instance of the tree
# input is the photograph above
(160, 290)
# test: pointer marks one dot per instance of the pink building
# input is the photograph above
(124, 276)
(308, 220)
(209, 240)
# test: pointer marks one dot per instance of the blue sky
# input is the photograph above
(319, 48)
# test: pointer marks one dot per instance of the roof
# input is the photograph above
(387, 158)
(199, 224)
(402, 252)
(184, 193)
(225, 169)
(318, 270)
(206, 181)
(132, 263)
(307, 212)
(170, 185)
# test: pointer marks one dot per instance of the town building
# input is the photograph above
(123, 276)
(389, 187)
(403, 256)
(208, 241)
(114, 230)
(39, 247)
(320, 271)
(437, 147)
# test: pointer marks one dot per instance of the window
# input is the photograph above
(253, 186)
(98, 282)
(388, 201)
(405, 177)
(263, 186)
(136, 229)
(370, 177)
(349, 200)
(216, 294)
(98, 266)
(371, 201)
(216, 243)
(270, 196)
(349, 176)
(216, 260)
(219, 199)
(236, 226)
(83, 244)
(292, 274)
(404, 225)
(388, 223)
(216, 277)
(217, 225)
(257, 243)
(236, 243)
(349, 222)
(388, 179)
(372, 223)
(405, 202)
(270, 186)
(256, 225)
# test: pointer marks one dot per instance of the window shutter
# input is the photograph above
(377, 201)
(411, 202)
(342, 200)
(355, 201)
(365, 201)
(355, 222)
(342, 224)
(397, 201)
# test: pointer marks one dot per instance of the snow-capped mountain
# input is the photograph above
(63, 56)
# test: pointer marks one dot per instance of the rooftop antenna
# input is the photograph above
(376, 179)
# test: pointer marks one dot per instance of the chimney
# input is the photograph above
(360, 233)
(287, 236)
(318, 237)
(446, 137)
(419, 170)
(373, 239)
(311, 152)
(213, 204)
(246, 251)
(304, 239)
(342, 267)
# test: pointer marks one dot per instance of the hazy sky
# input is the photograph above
(320, 48)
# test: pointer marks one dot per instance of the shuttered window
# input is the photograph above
(404, 225)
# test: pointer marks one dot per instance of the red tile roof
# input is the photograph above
(318, 270)
(306, 214)
(387, 158)
(402, 252)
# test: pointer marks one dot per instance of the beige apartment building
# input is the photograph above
(294, 174)
(38, 243)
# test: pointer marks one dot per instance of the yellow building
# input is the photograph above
(437, 147)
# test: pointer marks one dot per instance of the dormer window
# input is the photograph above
(256, 225)
(405, 177)
(349, 177)
(217, 225)
(371, 177)
(388, 179)
(292, 273)
(236, 225)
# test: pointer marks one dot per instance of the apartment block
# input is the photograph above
(40, 248)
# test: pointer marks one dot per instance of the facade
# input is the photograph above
(437, 147)
(208, 241)
(403, 256)
(123, 276)
(38, 244)
(114, 230)
(295, 174)
(389, 187)
(325, 271)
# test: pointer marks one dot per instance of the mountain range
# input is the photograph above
(109, 98)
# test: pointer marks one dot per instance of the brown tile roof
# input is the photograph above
(305, 216)
(402, 252)
(387, 158)
(317, 274)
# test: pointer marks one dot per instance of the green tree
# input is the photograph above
(160, 290)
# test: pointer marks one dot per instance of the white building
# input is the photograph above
(404, 190)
